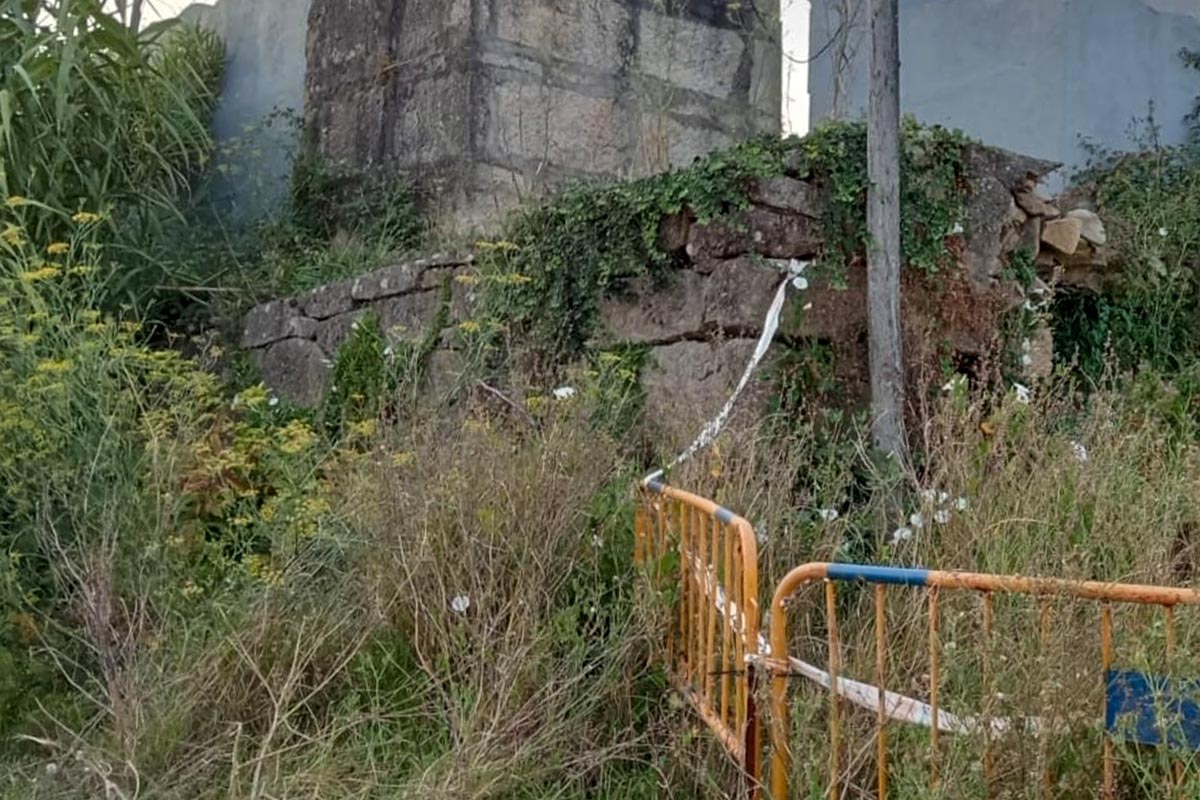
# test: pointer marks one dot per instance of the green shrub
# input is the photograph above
(95, 118)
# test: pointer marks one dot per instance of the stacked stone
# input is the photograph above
(294, 340)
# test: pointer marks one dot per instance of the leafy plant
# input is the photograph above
(95, 118)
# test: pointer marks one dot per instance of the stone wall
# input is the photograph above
(487, 101)
(1037, 76)
(700, 323)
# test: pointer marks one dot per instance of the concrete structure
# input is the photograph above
(1030, 75)
(257, 120)
(486, 101)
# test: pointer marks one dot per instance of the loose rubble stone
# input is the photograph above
(1033, 203)
(1063, 234)
(1093, 227)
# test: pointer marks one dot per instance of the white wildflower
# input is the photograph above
(901, 535)
(388, 352)
(597, 541)
(52, 768)
(917, 520)
(927, 495)
(807, 307)
(957, 229)
(828, 514)
(942, 516)
(460, 604)
(962, 504)
(1026, 360)
(1023, 393)
(564, 393)
(943, 497)
(800, 283)
(797, 267)
(274, 401)
(1162, 231)
(1080, 452)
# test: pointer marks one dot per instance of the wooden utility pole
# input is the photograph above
(883, 228)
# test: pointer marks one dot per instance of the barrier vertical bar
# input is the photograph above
(934, 677)
(1043, 657)
(834, 697)
(731, 597)
(988, 766)
(1106, 657)
(685, 596)
(1175, 780)
(713, 613)
(880, 681)
(704, 608)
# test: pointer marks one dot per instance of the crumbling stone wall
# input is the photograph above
(486, 101)
(700, 324)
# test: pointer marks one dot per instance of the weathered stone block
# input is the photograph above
(273, 321)
(761, 230)
(387, 282)
(545, 124)
(328, 301)
(674, 309)
(690, 54)
(597, 34)
(295, 369)
(788, 194)
(1092, 228)
(409, 316)
(690, 381)
(335, 330)
(737, 294)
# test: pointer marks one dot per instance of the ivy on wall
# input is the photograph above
(560, 257)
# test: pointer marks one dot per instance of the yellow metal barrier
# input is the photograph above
(707, 557)
(1126, 692)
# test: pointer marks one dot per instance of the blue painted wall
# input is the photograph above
(1030, 75)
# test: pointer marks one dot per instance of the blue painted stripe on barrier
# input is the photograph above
(899, 576)
(1152, 709)
(725, 515)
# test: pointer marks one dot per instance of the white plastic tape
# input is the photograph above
(713, 429)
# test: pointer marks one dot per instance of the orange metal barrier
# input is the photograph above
(707, 558)
(1118, 684)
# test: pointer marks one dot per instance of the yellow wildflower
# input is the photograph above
(316, 506)
(44, 274)
(89, 315)
(54, 367)
(466, 280)
(190, 589)
(57, 248)
(131, 327)
(296, 437)
(403, 459)
(12, 235)
(84, 217)
(609, 358)
(16, 201)
(30, 338)
(96, 327)
(364, 429)
(502, 246)
(82, 270)
(469, 326)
